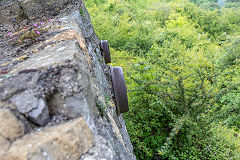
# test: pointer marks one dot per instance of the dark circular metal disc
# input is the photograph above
(105, 51)
(120, 89)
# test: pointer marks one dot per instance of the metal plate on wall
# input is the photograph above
(105, 51)
(120, 89)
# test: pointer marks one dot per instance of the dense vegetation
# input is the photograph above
(182, 62)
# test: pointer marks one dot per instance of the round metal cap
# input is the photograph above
(105, 51)
(120, 89)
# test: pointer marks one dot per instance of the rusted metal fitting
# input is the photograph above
(3, 71)
(120, 90)
(105, 51)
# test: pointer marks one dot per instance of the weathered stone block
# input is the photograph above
(10, 127)
(68, 72)
(66, 141)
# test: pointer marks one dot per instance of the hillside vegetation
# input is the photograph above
(182, 67)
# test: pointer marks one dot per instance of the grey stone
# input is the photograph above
(70, 107)
(40, 115)
(9, 11)
(25, 101)
(34, 9)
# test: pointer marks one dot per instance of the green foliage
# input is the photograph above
(226, 138)
(231, 53)
(181, 64)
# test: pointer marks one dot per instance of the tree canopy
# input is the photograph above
(181, 62)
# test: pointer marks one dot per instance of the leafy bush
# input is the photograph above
(231, 53)
(181, 65)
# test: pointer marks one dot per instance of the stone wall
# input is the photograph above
(56, 99)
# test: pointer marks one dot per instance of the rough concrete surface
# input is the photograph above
(56, 99)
